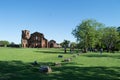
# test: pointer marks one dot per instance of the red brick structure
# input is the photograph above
(25, 38)
(36, 40)
(53, 44)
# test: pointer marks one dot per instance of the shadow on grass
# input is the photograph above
(53, 52)
(103, 55)
(17, 70)
(50, 52)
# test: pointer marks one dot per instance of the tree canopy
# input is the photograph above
(92, 34)
(4, 42)
(65, 43)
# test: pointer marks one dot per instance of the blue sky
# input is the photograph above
(54, 18)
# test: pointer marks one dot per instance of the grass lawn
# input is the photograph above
(15, 64)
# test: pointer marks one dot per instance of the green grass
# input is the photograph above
(15, 64)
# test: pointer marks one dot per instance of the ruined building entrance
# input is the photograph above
(51, 45)
(35, 40)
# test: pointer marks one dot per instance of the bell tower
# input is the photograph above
(25, 38)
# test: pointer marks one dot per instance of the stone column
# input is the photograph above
(41, 42)
(46, 44)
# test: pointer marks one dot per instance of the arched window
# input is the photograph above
(36, 38)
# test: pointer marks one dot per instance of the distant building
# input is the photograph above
(36, 40)
(53, 44)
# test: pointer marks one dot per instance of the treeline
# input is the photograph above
(93, 35)
(4, 43)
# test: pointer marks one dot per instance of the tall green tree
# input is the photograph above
(110, 37)
(118, 43)
(73, 45)
(65, 43)
(118, 30)
(85, 33)
(99, 36)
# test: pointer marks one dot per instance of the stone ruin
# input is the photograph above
(58, 64)
(36, 40)
(45, 69)
(67, 60)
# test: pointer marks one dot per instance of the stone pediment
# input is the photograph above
(37, 33)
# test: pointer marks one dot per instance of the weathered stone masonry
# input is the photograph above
(36, 40)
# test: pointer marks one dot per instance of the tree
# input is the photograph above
(4, 42)
(99, 35)
(86, 33)
(12, 43)
(110, 37)
(73, 44)
(118, 29)
(65, 43)
(118, 43)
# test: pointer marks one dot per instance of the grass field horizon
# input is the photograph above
(15, 64)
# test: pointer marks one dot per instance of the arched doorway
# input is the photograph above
(51, 45)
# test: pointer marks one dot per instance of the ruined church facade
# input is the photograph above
(36, 40)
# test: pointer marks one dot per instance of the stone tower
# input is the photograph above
(25, 38)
